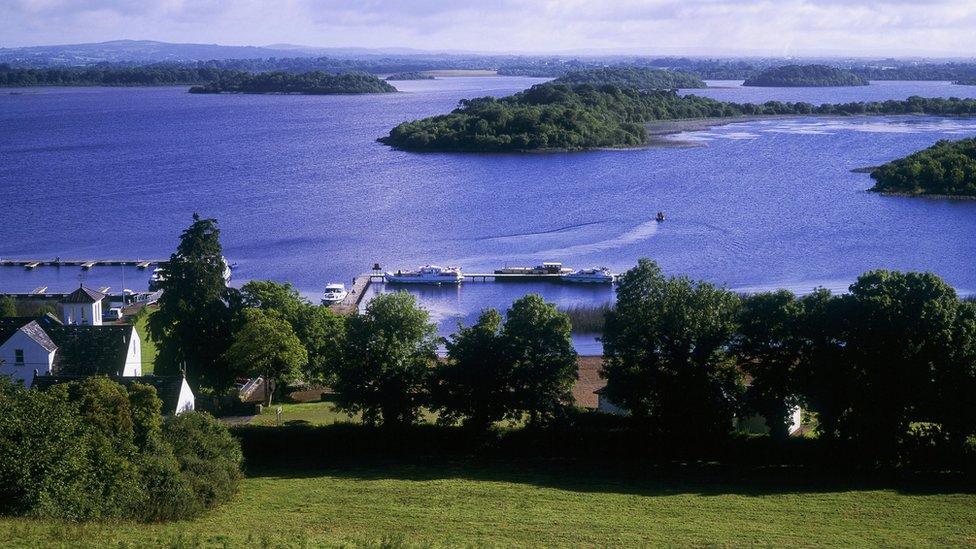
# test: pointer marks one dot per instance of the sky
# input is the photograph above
(899, 28)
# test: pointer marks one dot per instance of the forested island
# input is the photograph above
(971, 81)
(558, 116)
(309, 83)
(947, 168)
(799, 76)
(410, 76)
(633, 77)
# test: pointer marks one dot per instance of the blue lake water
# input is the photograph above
(304, 193)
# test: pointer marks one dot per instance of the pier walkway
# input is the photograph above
(83, 263)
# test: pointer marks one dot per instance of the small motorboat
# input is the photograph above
(334, 293)
(428, 274)
(596, 275)
(660, 217)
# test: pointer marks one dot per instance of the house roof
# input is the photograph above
(34, 331)
(88, 350)
(83, 295)
(167, 387)
(11, 324)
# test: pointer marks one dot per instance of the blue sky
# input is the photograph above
(694, 27)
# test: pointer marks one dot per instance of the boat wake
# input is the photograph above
(539, 233)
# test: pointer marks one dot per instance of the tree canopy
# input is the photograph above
(800, 76)
(644, 79)
(309, 83)
(193, 325)
(388, 354)
(946, 168)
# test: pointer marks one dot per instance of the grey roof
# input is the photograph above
(87, 350)
(83, 295)
(167, 387)
(37, 333)
(11, 324)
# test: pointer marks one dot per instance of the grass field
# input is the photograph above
(450, 503)
(148, 345)
(312, 413)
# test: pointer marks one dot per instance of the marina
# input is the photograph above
(85, 264)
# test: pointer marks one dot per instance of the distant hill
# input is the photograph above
(139, 51)
(801, 76)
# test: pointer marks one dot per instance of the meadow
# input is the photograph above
(469, 502)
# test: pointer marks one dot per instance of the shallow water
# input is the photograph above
(304, 193)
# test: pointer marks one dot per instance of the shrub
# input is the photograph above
(209, 457)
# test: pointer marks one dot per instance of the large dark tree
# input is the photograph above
(538, 342)
(266, 345)
(665, 358)
(192, 327)
(475, 383)
(769, 346)
(388, 354)
(879, 353)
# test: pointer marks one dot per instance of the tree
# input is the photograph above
(8, 307)
(192, 327)
(895, 334)
(664, 353)
(475, 383)
(320, 330)
(769, 347)
(387, 357)
(266, 345)
(538, 342)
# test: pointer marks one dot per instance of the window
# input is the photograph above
(19, 357)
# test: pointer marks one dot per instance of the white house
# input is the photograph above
(46, 346)
(82, 307)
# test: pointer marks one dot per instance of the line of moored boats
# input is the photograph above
(437, 275)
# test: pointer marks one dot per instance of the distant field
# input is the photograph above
(465, 502)
(148, 345)
(313, 413)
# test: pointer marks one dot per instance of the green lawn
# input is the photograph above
(313, 413)
(148, 345)
(463, 502)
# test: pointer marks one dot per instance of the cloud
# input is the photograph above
(715, 27)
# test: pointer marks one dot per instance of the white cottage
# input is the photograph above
(46, 346)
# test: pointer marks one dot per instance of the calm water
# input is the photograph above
(305, 194)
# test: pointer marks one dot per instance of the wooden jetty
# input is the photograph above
(85, 264)
(355, 295)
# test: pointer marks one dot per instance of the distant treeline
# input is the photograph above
(633, 77)
(557, 116)
(149, 75)
(971, 81)
(946, 168)
(312, 83)
(805, 76)
(410, 76)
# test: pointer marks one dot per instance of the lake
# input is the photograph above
(305, 194)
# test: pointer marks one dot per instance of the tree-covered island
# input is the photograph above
(801, 76)
(559, 116)
(947, 168)
(412, 75)
(633, 77)
(309, 83)
(970, 81)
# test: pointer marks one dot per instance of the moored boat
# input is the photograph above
(334, 293)
(428, 274)
(596, 275)
(547, 268)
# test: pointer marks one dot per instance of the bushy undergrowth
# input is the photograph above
(93, 449)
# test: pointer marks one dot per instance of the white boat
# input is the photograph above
(334, 293)
(596, 275)
(428, 274)
(159, 274)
